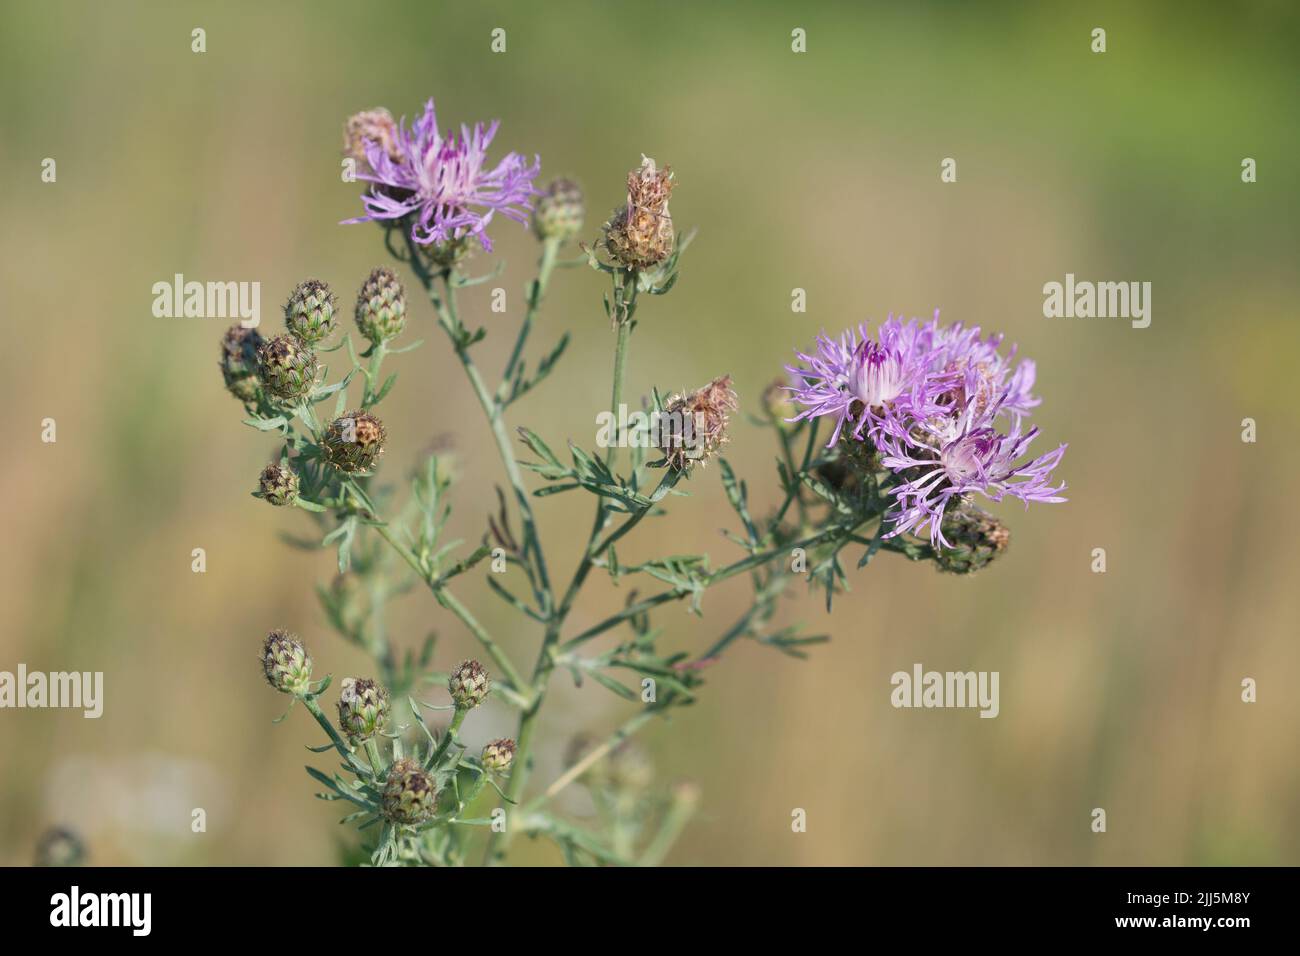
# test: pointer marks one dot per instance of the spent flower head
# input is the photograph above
(468, 684)
(239, 361)
(354, 442)
(444, 184)
(363, 708)
(370, 126)
(640, 233)
(310, 313)
(694, 424)
(381, 306)
(286, 663)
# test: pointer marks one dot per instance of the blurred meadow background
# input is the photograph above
(818, 171)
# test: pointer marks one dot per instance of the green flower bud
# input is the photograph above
(239, 361)
(363, 708)
(499, 754)
(286, 663)
(59, 846)
(410, 794)
(278, 484)
(468, 685)
(287, 367)
(310, 312)
(354, 442)
(381, 306)
(559, 212)
(976, 538)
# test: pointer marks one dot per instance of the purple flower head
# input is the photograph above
(878, 381)
(978, 373)
(953, 458)
(944, 407)
(445, 182)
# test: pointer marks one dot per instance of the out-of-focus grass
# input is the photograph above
(817, 171)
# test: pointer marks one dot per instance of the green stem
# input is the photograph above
(679, 814)
(450, 322)
(344, 750)
(372, 754)
(468, 800)
(741, 626)
(457, 719)
(498, 843)
(450, 602)
(494, 650)
(377, 353)
(794, 493)
(676, 594)
(666, 484)
(630, 727)
(536, 292)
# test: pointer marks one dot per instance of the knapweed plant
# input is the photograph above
(883, 443)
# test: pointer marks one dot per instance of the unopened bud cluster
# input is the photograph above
(975, 538)
(354, 442)
(410, 794)
(286, 663)
(278, 484)
(239, 361)
(310, 313)
(559, 213)
(381, 306)
(468, 685)
(287, 367)
(363, 708)
(498, 755)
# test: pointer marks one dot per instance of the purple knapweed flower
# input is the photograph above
(445, 183)
(943, 406)
(979, 374)
(879, 382)
(943, 460)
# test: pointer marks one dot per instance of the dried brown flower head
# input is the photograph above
(694, 425)
(640, 235)
(376, 126)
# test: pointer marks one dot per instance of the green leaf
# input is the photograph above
(479, 553)
(554, 489)
(266, 424)
(610, 684)
(738, 495)
(384, 389)
(539, 447)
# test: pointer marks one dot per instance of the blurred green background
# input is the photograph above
(818, 171)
